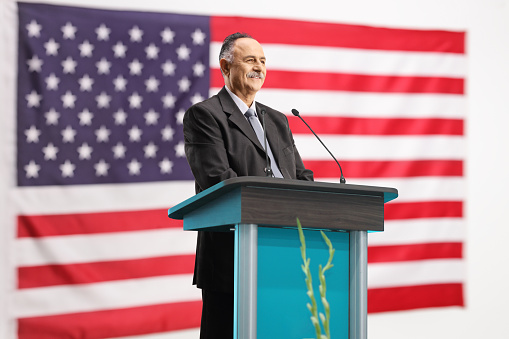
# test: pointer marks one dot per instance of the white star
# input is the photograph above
(168, 68)
(69, 31)
(119, 50)
(180, 151)
(34, 64)
(67, 169)
(198, 69)
(68, 134)
(103, 66)
(150, 150)
(85, 151)
(33, 99)
(50, 152)
(135, 33)
(168, 100)
(119, 151)
(85, 117)
(152, 84)
(167, 36)
(120, 117)
(101, 168)
(135, 100)
(86, 83)
(179, 117)
(51, 47)
(184, 84)
(68, 99)
(166, 166)
(167, 133)
(34, 29)
(32, 134)
(196, 98)
(120, 83)
(69, 65)
(198, 37)
(183, 52)
(152, 51)
(32, 169)
(135, 67)
(102, 134)
(151, 117)
(103, 100)
(52, 117)
(52, 82)
(103, 32)
(86, 49)
(134, 133)
(134, 167)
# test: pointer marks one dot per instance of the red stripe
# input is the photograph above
(427, 209)
(386, 169)
(414, 252)
(376, 126)
(88, 223)
(113, 323)
(412, 297)
(353, 82)
(52, 275)
(278, 31)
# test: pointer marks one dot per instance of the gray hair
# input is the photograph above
(228, 43)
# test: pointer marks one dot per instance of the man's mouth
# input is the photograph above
(256, 75)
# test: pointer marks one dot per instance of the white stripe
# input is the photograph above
(193, 333)
(418, 189)
(103, 247)
(421, 272)
(358, 61)
(35, 302)
(365, 105)
(100, 198)
(419, 231)
(381, 148)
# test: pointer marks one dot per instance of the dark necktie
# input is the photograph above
(255, 123)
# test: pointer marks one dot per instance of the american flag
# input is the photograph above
(99, 158)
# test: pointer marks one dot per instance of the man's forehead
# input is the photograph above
(249, 46)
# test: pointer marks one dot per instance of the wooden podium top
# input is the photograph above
(278, 202)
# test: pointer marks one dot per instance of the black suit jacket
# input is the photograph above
(220, 144)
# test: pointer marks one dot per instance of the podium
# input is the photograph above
(270, 291)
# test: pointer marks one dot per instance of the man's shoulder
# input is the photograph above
(212, 103)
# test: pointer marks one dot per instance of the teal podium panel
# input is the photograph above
(282, 291)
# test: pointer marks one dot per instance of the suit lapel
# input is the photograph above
(272, 134)
(237, 118)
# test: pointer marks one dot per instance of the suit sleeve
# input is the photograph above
(301, 172)
(205, 149)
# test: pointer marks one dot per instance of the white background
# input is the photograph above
(487, 169)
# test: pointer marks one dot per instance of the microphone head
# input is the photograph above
(295, 112)
(262, 112)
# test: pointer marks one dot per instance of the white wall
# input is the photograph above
(487, 168)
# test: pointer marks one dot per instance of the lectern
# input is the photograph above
(270, 292)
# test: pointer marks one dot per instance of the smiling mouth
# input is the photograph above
(256, 76)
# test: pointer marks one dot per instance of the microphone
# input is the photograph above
(268, 168)
(342, 180)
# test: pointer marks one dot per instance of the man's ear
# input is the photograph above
(225, 66)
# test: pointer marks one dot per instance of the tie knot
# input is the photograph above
(250, 113)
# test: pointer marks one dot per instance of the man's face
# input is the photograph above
(246, 73)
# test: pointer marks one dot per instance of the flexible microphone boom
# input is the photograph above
(268, 168)
(297, 114)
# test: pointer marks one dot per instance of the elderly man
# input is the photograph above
(224, 139)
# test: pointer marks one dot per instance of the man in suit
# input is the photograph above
(221, 142)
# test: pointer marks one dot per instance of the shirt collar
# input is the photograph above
(240, 104)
